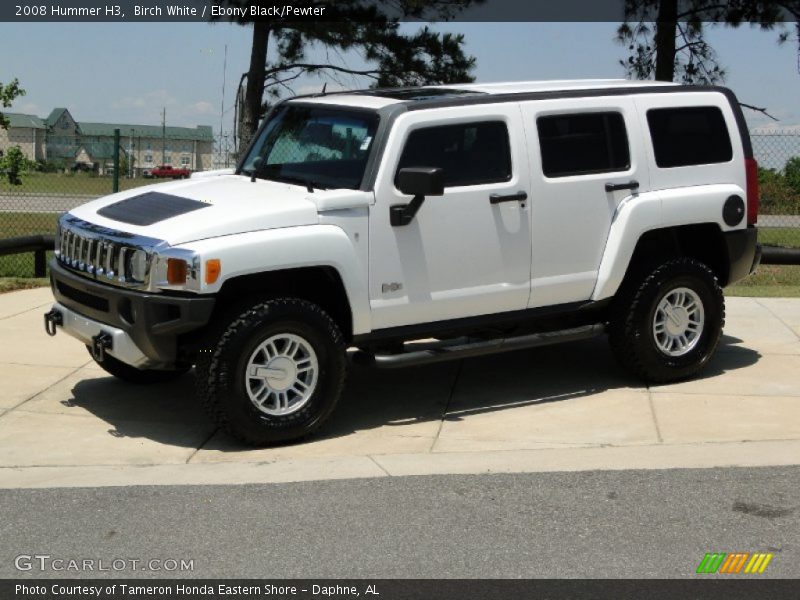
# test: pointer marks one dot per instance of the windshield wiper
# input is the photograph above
(306, 181)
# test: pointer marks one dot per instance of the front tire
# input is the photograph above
(275, 374)
(667, 326)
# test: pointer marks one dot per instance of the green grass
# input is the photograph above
(73, 184)
(19, 265)
(12, 284)
(17, 224)
(788, 237)
(769, 280)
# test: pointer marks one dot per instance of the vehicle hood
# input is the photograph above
(222, 205)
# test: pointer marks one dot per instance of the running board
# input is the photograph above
(455, 351)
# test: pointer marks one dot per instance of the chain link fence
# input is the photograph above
(225, 156)
(33, 206)
(42, 193)
(778, 156)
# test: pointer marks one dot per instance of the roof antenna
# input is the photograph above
(324, 85)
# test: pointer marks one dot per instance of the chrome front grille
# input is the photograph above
(101, 254)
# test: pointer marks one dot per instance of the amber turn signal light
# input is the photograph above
(213, 269)
(176, 271)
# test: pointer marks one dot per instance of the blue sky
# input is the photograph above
(126, 72)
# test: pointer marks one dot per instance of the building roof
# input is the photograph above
(22, 120)
(200, 133)
(99, 149)
(54, 116)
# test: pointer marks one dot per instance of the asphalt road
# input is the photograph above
(584, 524)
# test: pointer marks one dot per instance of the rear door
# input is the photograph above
(586, 158)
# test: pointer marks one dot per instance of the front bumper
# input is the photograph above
(744, 253)
(152, 322)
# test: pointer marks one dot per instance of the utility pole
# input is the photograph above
(222, 102)
(163, 134)
(115, 181)
(130, 156)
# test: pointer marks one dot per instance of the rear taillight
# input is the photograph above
(751, 170)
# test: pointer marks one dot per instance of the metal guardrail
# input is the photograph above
(38, 244)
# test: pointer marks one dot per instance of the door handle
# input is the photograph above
(515, 197)
(630, 185)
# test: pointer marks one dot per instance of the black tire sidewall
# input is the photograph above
(242, 416)
(669, 277)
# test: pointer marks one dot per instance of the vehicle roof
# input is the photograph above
(431, 94)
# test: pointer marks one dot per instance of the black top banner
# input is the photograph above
(334, 10)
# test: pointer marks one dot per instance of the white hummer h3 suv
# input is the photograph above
(484, 218)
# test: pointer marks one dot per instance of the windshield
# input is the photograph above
(315, 146)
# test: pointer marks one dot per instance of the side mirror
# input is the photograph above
(421, 181)
(418, 182)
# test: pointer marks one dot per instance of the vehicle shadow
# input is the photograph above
(169, 413)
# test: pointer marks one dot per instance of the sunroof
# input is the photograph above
(420, 93)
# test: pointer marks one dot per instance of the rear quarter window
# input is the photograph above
(689, 136)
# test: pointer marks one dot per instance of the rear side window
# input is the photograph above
(581, 144)
(689, 136)
(469, 153)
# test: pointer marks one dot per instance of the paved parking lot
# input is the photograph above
(63, 422)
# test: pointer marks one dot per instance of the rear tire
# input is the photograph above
(275, 374)
(667, 326)
(125, 372)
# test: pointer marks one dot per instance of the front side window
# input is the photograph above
(469, 153)
(583, 144)
(319, 146)
(689, 136)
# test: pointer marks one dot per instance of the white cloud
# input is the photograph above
(29, 108)
(203, 108)
(153, 98)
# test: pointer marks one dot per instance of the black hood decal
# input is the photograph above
(149, 208)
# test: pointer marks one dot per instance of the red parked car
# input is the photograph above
(170, 172)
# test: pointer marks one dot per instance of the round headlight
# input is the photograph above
(138, 266)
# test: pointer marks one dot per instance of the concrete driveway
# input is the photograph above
(63, 422)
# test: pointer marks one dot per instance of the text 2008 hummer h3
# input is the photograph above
(484, 217)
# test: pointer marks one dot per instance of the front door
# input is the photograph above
(468, 252)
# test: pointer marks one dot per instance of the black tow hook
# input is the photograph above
(52, 320)
(100, 343)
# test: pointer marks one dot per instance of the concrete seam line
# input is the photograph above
(423, 455)
(26, 311)
(42, 391)
(200, 447)
(653, 414)
(447, 405)
(774, 314)
(204, 474)
(379, 465)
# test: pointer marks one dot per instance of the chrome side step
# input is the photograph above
(461, 349)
